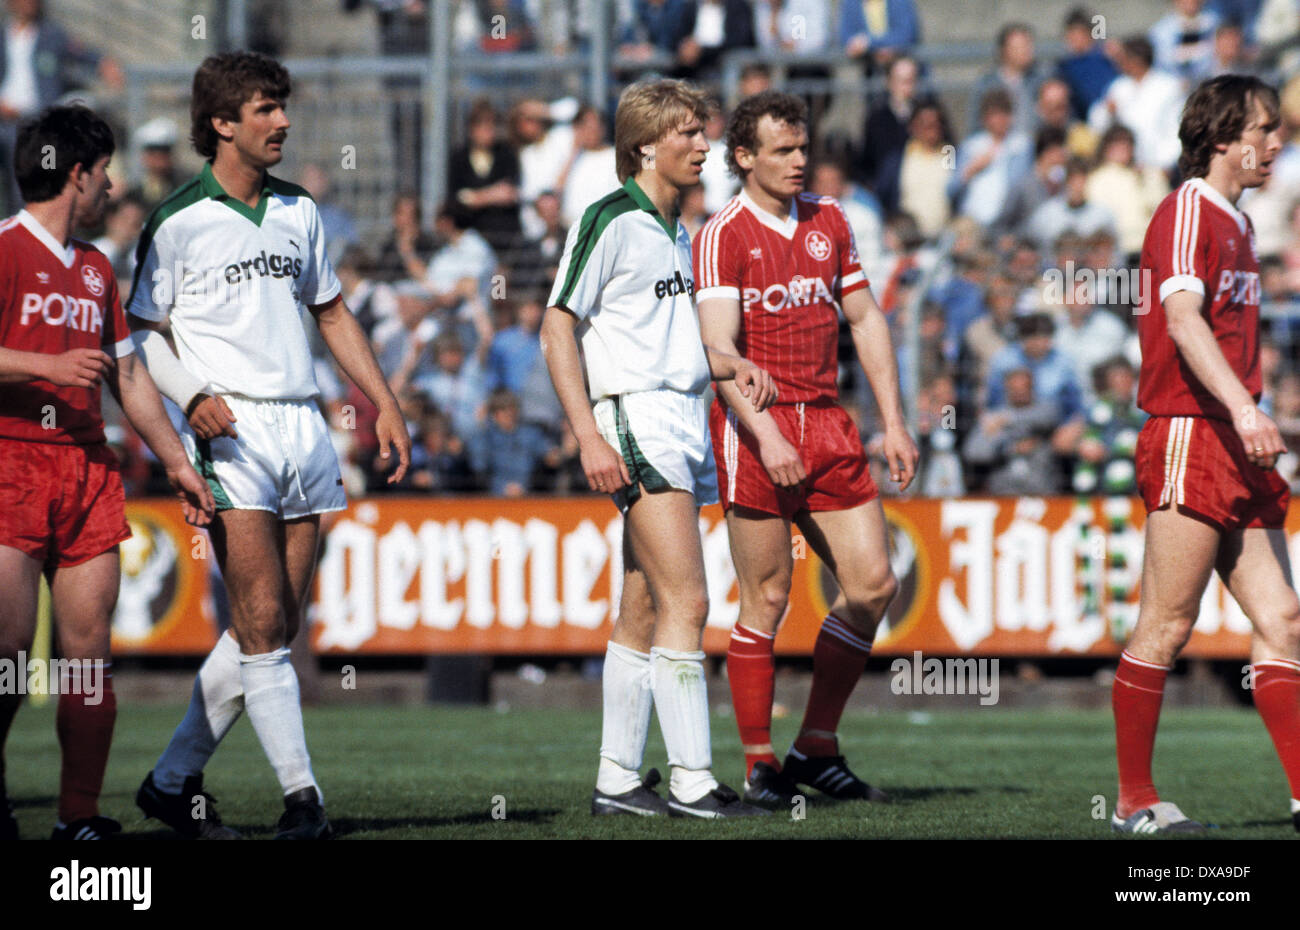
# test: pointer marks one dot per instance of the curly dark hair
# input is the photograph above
(226, 82)
(1217, 113)
(742, 128)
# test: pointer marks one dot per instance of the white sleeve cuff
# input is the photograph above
(719, 292)
(1181, 282)
(123, 347)
(855, 278)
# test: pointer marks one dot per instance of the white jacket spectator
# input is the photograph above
(1147, 101)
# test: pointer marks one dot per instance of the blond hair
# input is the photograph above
(648, 111)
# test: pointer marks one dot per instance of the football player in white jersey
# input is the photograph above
(625, 293)
(229, 261)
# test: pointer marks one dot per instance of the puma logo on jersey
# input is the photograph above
(1244, 285)
(78, 313)
(277, 266)
(800, 292)
(670, 287)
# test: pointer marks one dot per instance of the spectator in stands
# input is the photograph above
(716, 179)
(457, 382)
(1231, 56)
(505, 451)
(885, 133)
(718, 26)
(371, 301)
(1086, 69)
(754, 79)
(1070, 210)
(459, 276)
(537, 262)
(878, 31)
(409, 323)
(590, 173)
(1182, 41)
(156, 141)
(1286, 413)
(39, 63)
(939, 439)
(502, 26)
(988, 334)
(340, 229)
(659, 27)
(542, 135)
(1277, 23)
(1011, 443)
(1129, 192)
(990, 163)
(1108, 440)
(438, 460)
(962, 293)
(1245, 13)
(1016, 72)
(1038, 186)
(1147, 101)
(926, 165)
(1054, 378)
(122, 225)
(1088, 336)
(517, 348)
(800, 27)
(483, 177)
(830, 178)
(1053, 110)
(407, 249)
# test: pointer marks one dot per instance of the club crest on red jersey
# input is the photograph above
(818, 245)
(93, 280)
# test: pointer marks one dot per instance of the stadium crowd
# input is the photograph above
(1027, 354)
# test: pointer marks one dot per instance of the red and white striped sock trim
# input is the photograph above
(744, 634)
(1290, 665)
(1129, 657)
(834, 626)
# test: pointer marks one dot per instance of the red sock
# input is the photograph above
(839, 657)
(750, 670)
(1277, 698)
(85, 734)
(1135, 698)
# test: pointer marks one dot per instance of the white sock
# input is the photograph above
(215, 704)
(1295, 806)
(271, 697)
(682, 702)
(625, 722)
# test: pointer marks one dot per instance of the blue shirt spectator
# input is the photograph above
(878, 26)
(505, 451)
(1086, 68)
(1053, 371)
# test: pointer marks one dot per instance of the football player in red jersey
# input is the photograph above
(1205, 460)
(61, 500)
(773, 269)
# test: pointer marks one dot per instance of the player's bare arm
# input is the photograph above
(720, 325)
(603, 465)
(134, 389)
(751, 381)
(876, 354)
(351, 349)
(208, 415)
(74, 368)
(1200, 350)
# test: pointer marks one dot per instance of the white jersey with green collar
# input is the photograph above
(234, 281)
(628, 279)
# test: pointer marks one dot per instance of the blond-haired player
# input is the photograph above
(624, 293)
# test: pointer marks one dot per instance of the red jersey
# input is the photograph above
(52, 299)
(789, 275)
(1198, 242)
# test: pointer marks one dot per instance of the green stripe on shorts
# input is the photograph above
(203, 464)
(638, 466)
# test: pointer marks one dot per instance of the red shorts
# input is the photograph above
(60, 504)
(828, 444)
(1200, 465)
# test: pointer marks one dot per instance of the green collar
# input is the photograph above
(212, 188)
(641, 200)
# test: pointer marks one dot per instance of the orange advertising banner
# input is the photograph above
(978, 576)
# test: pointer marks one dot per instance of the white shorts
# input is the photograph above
(664, 438)
(282, 461)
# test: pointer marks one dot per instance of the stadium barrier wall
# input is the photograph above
(979, 576)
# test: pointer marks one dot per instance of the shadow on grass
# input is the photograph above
(477, 818)
(910, 795)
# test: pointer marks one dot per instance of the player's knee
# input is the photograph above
(11, 644)
(689, 607)
(772, 597)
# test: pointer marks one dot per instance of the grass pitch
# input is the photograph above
(442, 773)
